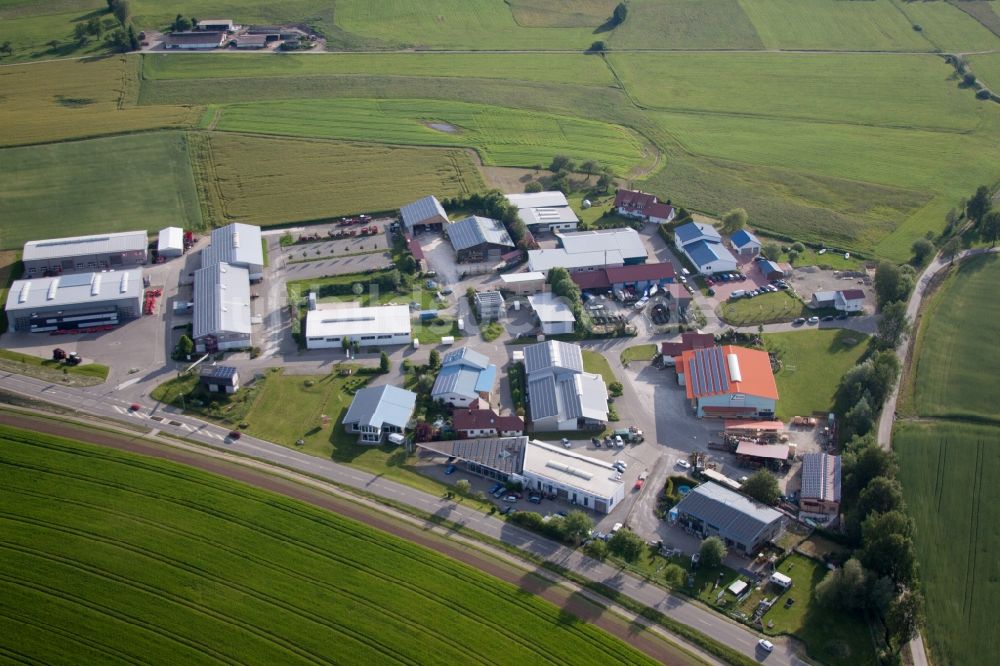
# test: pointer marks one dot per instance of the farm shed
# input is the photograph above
(382, 325)
(251, 41)
(544, 211)
(745, 243)
(221, 308)
(742, 523)
(376, 412)
(199, 40)
(85, 254)
(771, 270)
(75, 302)
(217, 25)
(763, 452)
(554, 315)
(170, 242)
(572, 477)
(425, 214)
(477, 239)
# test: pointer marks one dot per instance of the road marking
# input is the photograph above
(120, 410)
(128, 383)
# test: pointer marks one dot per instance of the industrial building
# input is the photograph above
(544, 211)
(75, 303)
(703, 247)
(465, 378)
(85, 254)
(639, 277)
(221, 308)
(217, 25)
(237, 245)
(170, 242)
(821, 479)
(642, 206)
(425, 214)
(728, 382)
(561, 396)
(554, 315)
(478, 239)
(572, 477)
(382, 325)
(590, 250)
(743, 524)
(523, 283)
(378, 412)
(499, 458)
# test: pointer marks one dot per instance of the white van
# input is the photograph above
(396, 438)
(739, 293)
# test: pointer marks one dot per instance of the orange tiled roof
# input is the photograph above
(708, 372)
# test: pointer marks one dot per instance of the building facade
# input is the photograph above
(564, 474)
(728, 382)
(478, 239)
(75, 303)
(383, 325)
(425, 214)
(544, 211)
(377, 412)
(466, 377)
(85, 254)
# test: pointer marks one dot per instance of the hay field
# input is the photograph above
(143, 181)
(948, 27)
(562, 13)
(686, 24)
(502, 137)
(264, 180)
(124, 558)
(987, 68)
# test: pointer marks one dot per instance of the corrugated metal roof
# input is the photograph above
(733, 515)
(422, 210)
(503, 454)
(627, 242)
(530, 276)
(74, 289)
(475, 230)
(381, 405)
(236, 244)
(742, 238)
(352, 322)
(171, 238)
(552, 199)
(465, 356)
(221, 300)
(704, 252)
(74, 246)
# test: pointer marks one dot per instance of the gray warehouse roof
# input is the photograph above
(221, 300)
(732, 514)
(74, 246)
(475, 230)
(421, 210)
(75, 289)
(376, 406)
(553, 354)
(568, 396)
(234, 244)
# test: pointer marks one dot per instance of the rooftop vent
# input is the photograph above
(25, 290)
(53, 288)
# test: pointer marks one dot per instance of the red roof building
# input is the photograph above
(642, 205)
(728, 382)
(687, 342)
(639, 276)
(471, 423)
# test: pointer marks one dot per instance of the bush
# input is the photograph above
(598, 47)
(183, 349)
(597, 549)
(532, 187)
(626, 544)
(983, 94)
(615, 389)
(712, 552)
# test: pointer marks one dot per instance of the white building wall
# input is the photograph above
(533, 481)
(557, 327)
(370, 340)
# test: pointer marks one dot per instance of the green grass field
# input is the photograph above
(87, 374)
(812, 364)
(686, 24)
(124, 558)
(596, 363)
(503, 137)
(949, 28)
(561, 13)
(950, 472)
(144, 181)
(639, 353)
(956, 367)
(987, 68)
(764, 309)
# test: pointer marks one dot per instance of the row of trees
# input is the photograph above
(125, 38)
(563, 286)
(863, 390)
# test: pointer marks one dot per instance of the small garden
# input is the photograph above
(767, 308)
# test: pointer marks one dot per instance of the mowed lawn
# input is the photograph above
(813, 361)
(141, 181)
(595, 363)
(764, 309)
(956, 360)
(501, 136)
(267, 180)
(987, 68)
(950, 474)
(112, 556)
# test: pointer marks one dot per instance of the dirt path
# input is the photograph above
(575, 604)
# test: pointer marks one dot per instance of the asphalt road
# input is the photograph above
(103, 403)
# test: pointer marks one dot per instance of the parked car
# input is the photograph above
(535, 498)
(621, 463)
(507, 509)
(813, 320)
(500, 491)
(235, 434)
(510, 498)
(616, 528)
(495, 487)
(828, 318)
(565, 442)
(842, 315)
(799, 321)
(683, 464)
(765, 645)
(449, 470)
(134, 407)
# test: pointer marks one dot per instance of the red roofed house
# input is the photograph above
(643, 206)
(471, 423)
(849, 300)
(688, 341)
(728, 382)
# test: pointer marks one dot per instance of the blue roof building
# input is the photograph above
(745, 243)
(694, 231)
(703, 247)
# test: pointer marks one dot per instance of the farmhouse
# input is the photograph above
(590, 250)
(847, 300)
(728, 382)
(554, 315)
(376, 412)
(220, 379)
(643, 206)
(478, 238)
(544, 211)
(75, 302)
(567, 475)
(237, 245)
(821, 478)
(85, 254)
(382, 325)
(199, 40)
(689, 340)
(561, 395)
(713, 510)
(425, 214)
(470, 423)
(465, 378)
(523, 283)
(489, 305)
(170, 242)
(703, 247)
(745, 243)
(221, 308)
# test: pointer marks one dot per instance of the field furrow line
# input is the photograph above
(114, 654)
(977, 494)
(16, 657)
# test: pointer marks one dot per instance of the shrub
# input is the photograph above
(626, 544)
(533, 186)
(597, 549)
(983, 94)
(712, 552)
(615, 389)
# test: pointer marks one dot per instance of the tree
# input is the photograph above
(533, 186)
(122, 11)
(712, 552)
(463, 487)
(180, 24)
(892, 283)
(891, 555)
(384, 365)
(893, 325)
(615, 389)
(859, 419)
(598, 47)
(562, 163)
(922, 250)
(952, 247)
(577, 526)
(771, 250)
(590, 167)
(844, 588)
(674, 575)
(881, 495)
(734, 220)
(408, 264)
(6, 48)
(763, 487)
(890, 522)
(605, 181)
(969, 80)
(117, 41)
(80, 33)
(133, 39)
(989, 228)
(861, 466)
(627, 545)
(620, 13)
(434, 360)
(978, 205)
(184, 348)
(904, 619)
(597, 549)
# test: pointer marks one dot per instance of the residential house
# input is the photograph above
(643, 206)
(821, 479)
(703, 247)
(850, 300)
(688, 341)
(465, 378)
(376, 412)
(470, 423)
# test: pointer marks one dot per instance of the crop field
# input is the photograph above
(503, 137)
(956, 368)
(54, 101)
(686, 24)
(865, 89)
(950, 474)
(560, 68)
(987, 68)
(812, 364)
(144, 181)
(562, 13)
(125, 558)
(949, 28)
(263, 180)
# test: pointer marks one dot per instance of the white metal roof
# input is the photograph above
(628, 242)
(237, 244)
(550, 307)
(546, 260)
(381, 405)
(75, 246)
(570, 469)
(74, 289)
(554, 199)
(530, 276)
(543, 208)
(353, 322)
(221, 300)
(171, 238)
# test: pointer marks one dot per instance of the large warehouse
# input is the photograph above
(477, 238)
(590, 250)
(85, 254)
(237, 245)
(381, 325)
(221, 308)
(728, 382)
(712, 510)
(75, 302)
(582, 480)
(562, 396)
